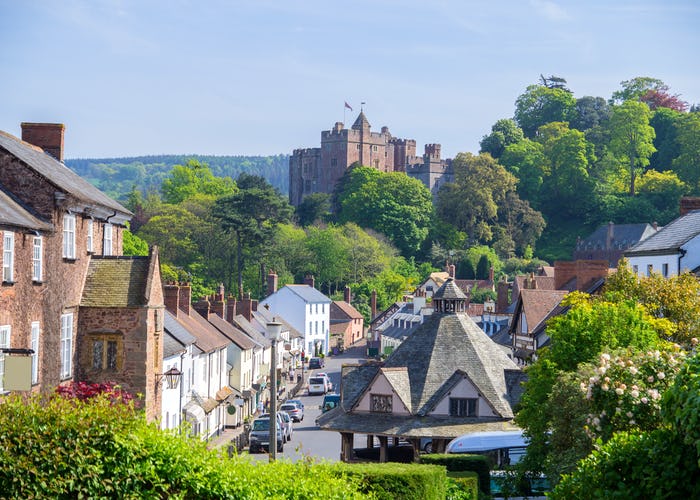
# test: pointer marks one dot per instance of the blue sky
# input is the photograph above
(136, 77)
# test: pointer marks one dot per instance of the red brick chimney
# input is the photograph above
(373, 304)
(218, 306)
(230, 308)
(309, 280)
(688, 204)
(185, 298)
(47, 136)
(171, 296)
(491, 274)
(347, 295)
(271, 283)
(203, 307)
(502, 295)
(245, 307)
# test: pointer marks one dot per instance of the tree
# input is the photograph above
(527, 162)
(554, 82)
(687, 164)
(590, 112)
(666, 123)
(482, 268)
(540, 105)
(133, 245)
(631, 137)
(503, 133)
(251, 214)
(194, 178)
(401, 207)
(636, 87)
(314, 207)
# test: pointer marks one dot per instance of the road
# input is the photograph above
(308, 441)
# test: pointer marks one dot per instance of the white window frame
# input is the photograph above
(5, 331)
(8, 257)
(69, 236)
(90, 236)
(66, 345)
(36, 329)
(38, 259)
(107, 240)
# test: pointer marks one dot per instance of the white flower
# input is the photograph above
(661, 375)
(635, 394)
(605, 356)
(633, 370)
(645, 400)
(650, 378)
(619, 391)
(604, 387)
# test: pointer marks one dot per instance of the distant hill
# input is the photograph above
(117, 176)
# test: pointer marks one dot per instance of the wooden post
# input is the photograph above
(383, 449)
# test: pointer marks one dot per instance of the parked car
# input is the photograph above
(259, 436)
(296, 402)
(286, 432)
(288, 425)
(329, 384)
(316, 363)
(330, 401)
(295, 413)
(317, 385)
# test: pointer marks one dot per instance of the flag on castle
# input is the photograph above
(348, 106)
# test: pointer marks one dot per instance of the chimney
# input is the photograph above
(347, 295)
(502, 295)
(230, 308)
(185, 298)
(244, 307)
(564, 271)
(47, 136)
(373, 304)
(171, 296)
(688, 204)
(491, 274)
(203, 307)
(309, 280)
(610, 236)
(218, 306)
(451, 270)
(533, 282)
(271, 283)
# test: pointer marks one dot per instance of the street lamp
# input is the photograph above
(274, 329)
(172, 378)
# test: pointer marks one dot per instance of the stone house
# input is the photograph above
(610, 241)
(446, 379)
(55, 227)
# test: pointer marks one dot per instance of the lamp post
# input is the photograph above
(273, 330)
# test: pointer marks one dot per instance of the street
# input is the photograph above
(308, 442)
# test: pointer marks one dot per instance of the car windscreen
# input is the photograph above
(317, 380)
(288, 408)
(261, 425)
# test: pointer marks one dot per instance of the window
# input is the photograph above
(69, 236)
(380, 403)
(205, 360)
(37, 255)
(66, 345)
(374, 148)
(107, 242)
(334, 162)
(90, 234)
(106, 352)
(358, 146)
(310, 327)
(8, 256)
(635, 269)
(463, 407)
(650, 269)
(316, 326)
(323, 308)
(4, 342)
(664, 270)
(323, 327)
(35, 355)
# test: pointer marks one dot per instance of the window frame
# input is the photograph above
(463, 407)
(8, 257)
(35, 335)
(90, 243)
(5, 334)
(69, 236)
(66, 346)
(107, 239)
(381, 403)
(38, 259)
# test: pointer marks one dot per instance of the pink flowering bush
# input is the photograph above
(624, 390)
(84, 391)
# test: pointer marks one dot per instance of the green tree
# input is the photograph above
(133, 245)
(631, 137)
(590, 112)
(635, 88)
(687, 164)
(483, 267)
(666, 123)
(314, 207)
(503, 133)
(527, 162)
(194, 178)
(540, 105)
(401, 207)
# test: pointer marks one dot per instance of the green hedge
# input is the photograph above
(393, 481)
(464, 462)
(462, 485)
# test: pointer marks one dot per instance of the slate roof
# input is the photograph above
(542, 282)
(171, 346)
(623, 236)
(232, 333)
(449, 291)
(14, 213)
(58, 174)
(176, 329)
(360, 122)
(264, 316)
(398, 378)
(249, 329)
(207, 338)
(116, 281)
(671, 237)
(309, 294)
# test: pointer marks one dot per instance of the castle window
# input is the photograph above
(69, 236)
(463, 407)
(8, 257)
(380, 403)
(374, 148)
(359, 146)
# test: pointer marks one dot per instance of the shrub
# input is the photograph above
(463, 485)
(392, 481)
(461, 463)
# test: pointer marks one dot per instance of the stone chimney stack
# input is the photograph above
(309, 280)
(230, 308)
(689, 203)
(218, 306)
(203, 307)
(245, 307)
(373, 304)
(185, 298)
(271, 283)
(491, 274)
(451, 270)
(502, 295)
(47, 136)
(171, 297)
(347, 295)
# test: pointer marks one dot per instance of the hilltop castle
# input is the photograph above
(317, 170)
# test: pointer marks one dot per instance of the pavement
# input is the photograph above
(229, 435)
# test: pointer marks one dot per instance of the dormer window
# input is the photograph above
(463, 407)
(380, 403)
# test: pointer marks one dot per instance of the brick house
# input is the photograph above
(347, 323)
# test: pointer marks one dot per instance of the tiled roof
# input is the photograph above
(538, 305)
(341, 310)
(398, 378)
(308, 293)
(247, 327)
(399, 332)
(671, 237)
(547, 271)
(232, 333)
(542, 282)
(177, 330)
(449, 291)
(58, 174)
(13, 213)
(207, 338)
(171, 346)
(264, 316)
(116, 282)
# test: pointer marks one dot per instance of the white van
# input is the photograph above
(508, 447)
(317, 385)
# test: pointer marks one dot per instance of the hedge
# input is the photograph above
(394, 481)
(463, 462)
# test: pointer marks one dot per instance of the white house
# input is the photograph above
(178, 345)
(673, 250)
(307, 310)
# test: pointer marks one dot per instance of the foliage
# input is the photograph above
(391, 481)
(462, 486)
(193, 179)
(590, 112)
(314, 207)
(401, 207)
(540, 105)
(517, 266)
(503, 133)
(84, 390)
(463, 462)
(527, 162)
(681, 403)
(133, 245)
(636, 88)
(687, 164)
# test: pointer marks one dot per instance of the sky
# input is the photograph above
(259, 77)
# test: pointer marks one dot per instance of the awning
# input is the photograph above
(209, 404)
(223, 393)
(194, 411)
(249, 393)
